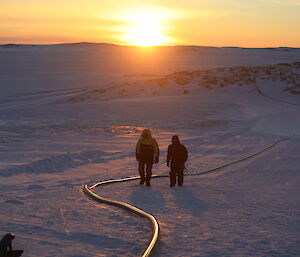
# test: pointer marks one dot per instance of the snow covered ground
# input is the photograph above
(71, 115)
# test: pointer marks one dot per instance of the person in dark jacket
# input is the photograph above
(147, 153)
(177, 156)
(6, 247)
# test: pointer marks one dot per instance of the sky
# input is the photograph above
(244, 23)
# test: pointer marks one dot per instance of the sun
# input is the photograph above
(145, 35)
(146, 28)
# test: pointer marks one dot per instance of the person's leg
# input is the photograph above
(172, 178)
(142, 172)
(148, 172)
(180, 177)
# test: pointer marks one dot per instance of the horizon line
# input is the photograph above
(112, 44)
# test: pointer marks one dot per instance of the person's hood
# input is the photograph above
(148, 132)
(175, 140)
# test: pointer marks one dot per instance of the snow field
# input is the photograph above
(50, 147)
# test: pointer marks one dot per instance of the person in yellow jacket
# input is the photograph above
(147, 153)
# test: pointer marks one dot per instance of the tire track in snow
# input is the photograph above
(272, 98)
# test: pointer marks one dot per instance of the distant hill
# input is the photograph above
(62, 44)
(84, 44)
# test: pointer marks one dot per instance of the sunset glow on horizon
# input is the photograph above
(146, 28)
(257, 23)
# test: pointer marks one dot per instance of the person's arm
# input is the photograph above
(9, 245)
(156, 151)
(169, 156)
(186, 155)
(137, 150)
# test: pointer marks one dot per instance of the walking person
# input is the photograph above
(147, 153)
(177, 156)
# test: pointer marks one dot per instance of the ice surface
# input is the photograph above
(60, 130)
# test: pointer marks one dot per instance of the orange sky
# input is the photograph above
(247, 23)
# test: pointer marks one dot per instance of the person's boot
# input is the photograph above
(142, 181)
(148, 179)
(147, 183)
